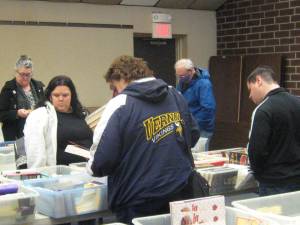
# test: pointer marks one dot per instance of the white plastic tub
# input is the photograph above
(283, 208)
(233, 217)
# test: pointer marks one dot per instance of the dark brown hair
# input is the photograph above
(265, 72)
(128, 68)
(63, 80)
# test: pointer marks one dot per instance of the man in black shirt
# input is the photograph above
(274, 144)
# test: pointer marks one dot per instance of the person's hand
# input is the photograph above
(23, 113)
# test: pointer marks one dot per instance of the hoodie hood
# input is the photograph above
(202, 73)
(147, 89)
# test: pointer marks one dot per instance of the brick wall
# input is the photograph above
(262, 27)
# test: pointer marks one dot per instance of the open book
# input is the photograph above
(77, 150)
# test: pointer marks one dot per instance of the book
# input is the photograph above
(77, 150)
(240, 158)
(204, 211)
(94, 117)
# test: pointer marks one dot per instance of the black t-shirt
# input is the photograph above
(71, 129)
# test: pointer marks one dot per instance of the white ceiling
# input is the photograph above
(174, 4)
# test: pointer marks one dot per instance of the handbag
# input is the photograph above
(197, 185)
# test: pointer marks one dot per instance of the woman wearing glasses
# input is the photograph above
(18, 98)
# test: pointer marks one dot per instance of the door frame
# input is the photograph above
(180, 45)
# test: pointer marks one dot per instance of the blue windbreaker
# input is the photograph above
(201, 100)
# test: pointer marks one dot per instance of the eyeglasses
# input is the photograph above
(25, 75)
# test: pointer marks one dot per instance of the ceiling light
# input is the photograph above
(139, 2)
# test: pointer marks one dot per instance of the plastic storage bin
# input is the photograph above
(220, 179)
(59, 170)
(7, 144)
(18, 208)
(80, 165)
(7, 157)
(245, 179)
(115, 224)
(69, 195)
(42, 172)
(20, 175)
(233, 217)
(284, 208)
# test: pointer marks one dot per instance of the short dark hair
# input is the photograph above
(62, 80)
(128, 68)
(266, 72)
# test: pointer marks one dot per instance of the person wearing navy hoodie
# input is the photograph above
(196, 87)
(142, 141)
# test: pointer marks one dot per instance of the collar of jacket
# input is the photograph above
(12, 84)
(275, 91)
(196, 77)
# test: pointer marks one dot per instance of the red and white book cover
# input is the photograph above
(199, 211)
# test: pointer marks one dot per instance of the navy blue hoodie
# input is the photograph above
(142, 147)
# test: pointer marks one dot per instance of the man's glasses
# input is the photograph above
(25, 75)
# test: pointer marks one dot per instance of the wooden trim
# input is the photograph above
(240, 91)
(64, 24)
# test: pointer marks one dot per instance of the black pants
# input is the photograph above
(151, 207)
(266, 189)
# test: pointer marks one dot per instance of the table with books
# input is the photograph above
(227, 172)
(59, 194)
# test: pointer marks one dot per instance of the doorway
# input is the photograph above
(160, 55)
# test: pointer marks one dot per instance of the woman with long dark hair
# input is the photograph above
(58, 121)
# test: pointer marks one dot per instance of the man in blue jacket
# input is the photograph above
(195, 85)
(142, 142)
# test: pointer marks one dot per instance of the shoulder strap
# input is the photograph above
(183, 123)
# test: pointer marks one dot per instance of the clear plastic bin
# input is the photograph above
(10, 144)
(115, 224)
(7, 157)
(80, 165)
(233, 216)
(245, 179)
(53, 171)
(42, 172)
(69, 195)
(18, 208)
(283, 208)
(220, 179)
(20, 175)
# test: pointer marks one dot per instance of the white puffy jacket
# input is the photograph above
(40, 137)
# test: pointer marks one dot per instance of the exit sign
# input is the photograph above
(161, 30)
